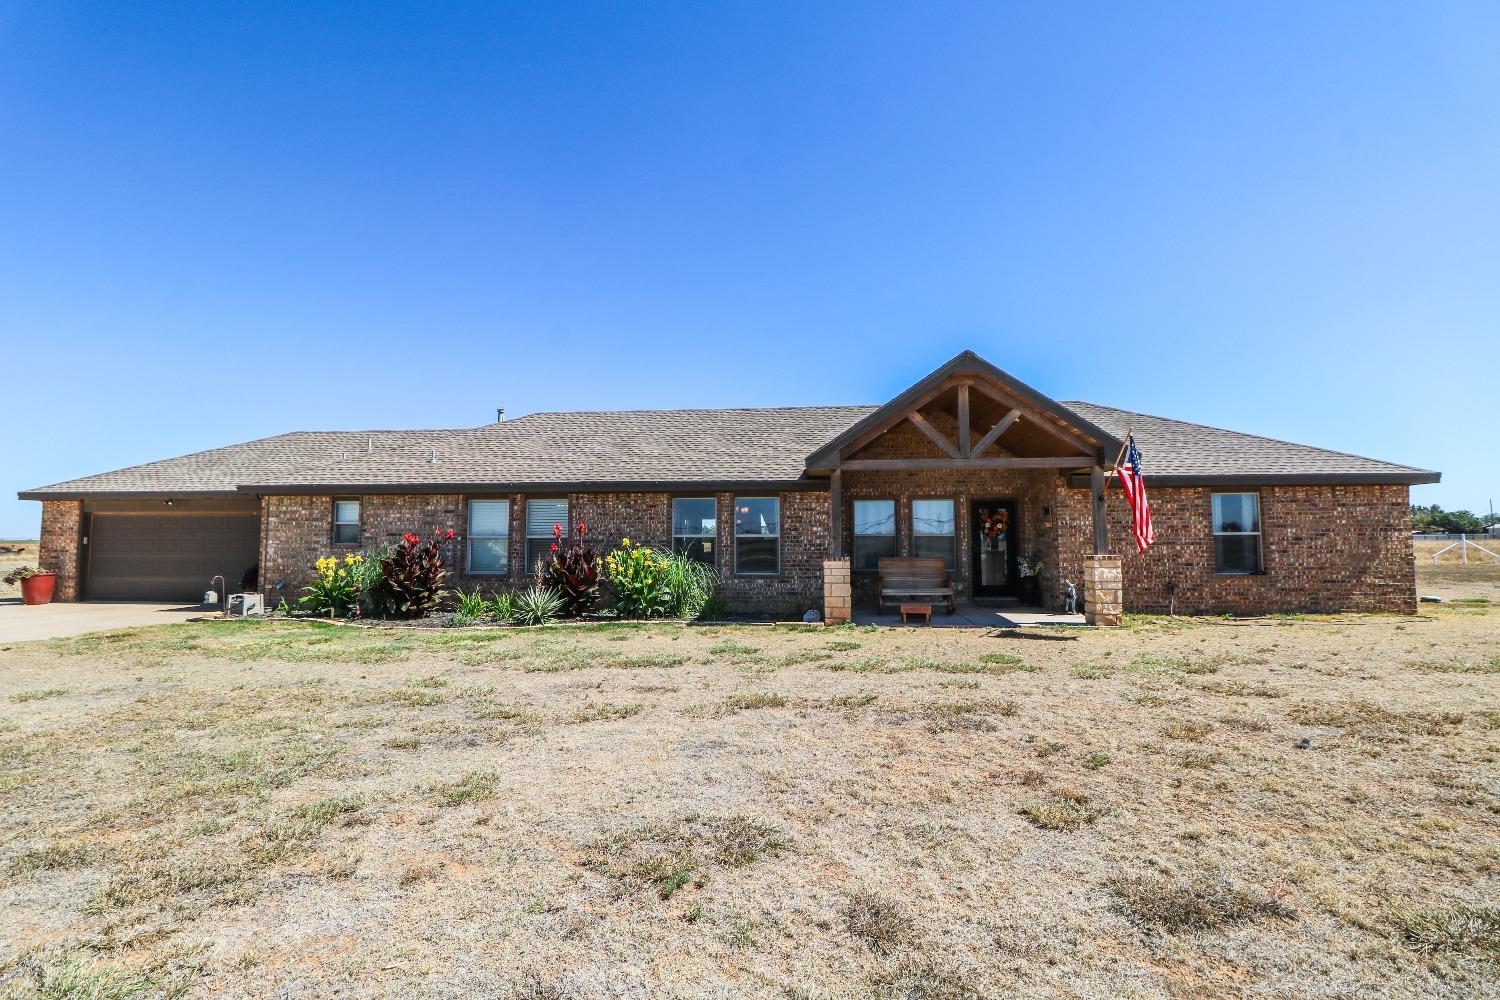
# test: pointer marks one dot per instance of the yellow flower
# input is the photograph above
(625, 542)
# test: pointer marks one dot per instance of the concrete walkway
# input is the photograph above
(19, 623)
(973, 616)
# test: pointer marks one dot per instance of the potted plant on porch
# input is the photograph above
(36, 583)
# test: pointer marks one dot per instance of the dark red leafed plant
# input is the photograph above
(412, 577)
(572, 569)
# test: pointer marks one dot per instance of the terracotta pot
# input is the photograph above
(38, 589)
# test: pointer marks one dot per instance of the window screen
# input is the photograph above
(489, 536)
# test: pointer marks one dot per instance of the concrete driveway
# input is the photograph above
(19, 623)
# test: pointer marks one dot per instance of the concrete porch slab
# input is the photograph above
(972, 616)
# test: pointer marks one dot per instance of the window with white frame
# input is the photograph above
(757, 536)
(695, 526)
(932, 530)
(542, 519)
(346, 522)
(874, 532)
(1237, 534)
(489, 537)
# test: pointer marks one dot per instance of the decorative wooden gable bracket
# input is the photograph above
(965, 454)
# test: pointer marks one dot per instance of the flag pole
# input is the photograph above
(1125, 444)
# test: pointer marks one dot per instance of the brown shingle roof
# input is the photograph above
(224, 470)
(662, 448)
(595, 447)
(1173, 450)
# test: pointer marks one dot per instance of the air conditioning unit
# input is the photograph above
(245, 605)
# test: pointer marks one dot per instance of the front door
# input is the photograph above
(995, 540)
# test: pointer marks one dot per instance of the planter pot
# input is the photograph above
(38, 589)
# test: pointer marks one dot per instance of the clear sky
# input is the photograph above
(221, 222)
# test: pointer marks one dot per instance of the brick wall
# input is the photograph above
(297, 531)
(58, 548)
(1323, 548)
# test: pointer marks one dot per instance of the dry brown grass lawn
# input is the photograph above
(1176, 809)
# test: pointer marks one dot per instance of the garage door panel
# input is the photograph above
(138, 557)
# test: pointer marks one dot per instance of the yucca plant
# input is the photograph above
(537, 605)
(411, 578)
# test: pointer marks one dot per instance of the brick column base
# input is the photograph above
(1103, 590)
(838, 596)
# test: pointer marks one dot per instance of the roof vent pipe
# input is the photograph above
(433, 459)
(500, 415)
(370, 446)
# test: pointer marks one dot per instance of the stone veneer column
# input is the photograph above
(1103, 590)
(838, 598)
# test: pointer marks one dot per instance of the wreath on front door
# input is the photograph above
(992, 526)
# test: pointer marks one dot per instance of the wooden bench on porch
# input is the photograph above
(904, 579)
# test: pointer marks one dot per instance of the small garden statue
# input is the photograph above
(1070, 598)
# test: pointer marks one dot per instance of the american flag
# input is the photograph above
(1134, 486)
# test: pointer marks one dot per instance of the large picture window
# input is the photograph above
(541, 517)
(1237, 534)
(695, 527)
(932, 530)
(346, 522)
(757, 536)
(489, 536)
(874, 532)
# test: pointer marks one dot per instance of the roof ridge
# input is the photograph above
(692, 409)
(1258, 437)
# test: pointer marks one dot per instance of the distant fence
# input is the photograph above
(1473, 536)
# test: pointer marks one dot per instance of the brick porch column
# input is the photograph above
(838, 596)
(1103, 590)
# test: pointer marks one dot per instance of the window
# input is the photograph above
(346, 522)
(1237, 533)
(757, 535)
(932, 530)
(541, 516)
(695, 526)
(874, 532)
(489, 536)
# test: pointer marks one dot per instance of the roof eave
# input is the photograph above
(1413, 477)
(592, 486)
(50, 494)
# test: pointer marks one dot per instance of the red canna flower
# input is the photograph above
(449, 534)
(410, 539)
(554, 546)
(557, 531)
(582, 528)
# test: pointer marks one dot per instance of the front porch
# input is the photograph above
(969, 615)
(973, 468)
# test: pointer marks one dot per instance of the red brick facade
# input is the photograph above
(1324, 548)
(298, 530)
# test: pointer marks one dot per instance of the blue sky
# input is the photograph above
(223, 222)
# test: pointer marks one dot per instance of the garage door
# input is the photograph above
(167, 558)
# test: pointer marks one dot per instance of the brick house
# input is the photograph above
(969, 465)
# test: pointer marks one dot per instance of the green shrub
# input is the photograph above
(335, 590)
(503, 607)
(472, 605)
(691, 585)
(638, 577)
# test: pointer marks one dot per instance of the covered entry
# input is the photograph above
(164, 554)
